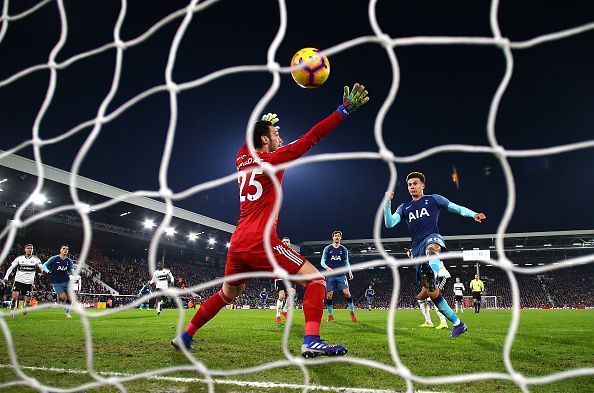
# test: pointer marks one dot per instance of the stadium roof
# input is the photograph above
(27, 166)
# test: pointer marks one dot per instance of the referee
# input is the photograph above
(477, 287)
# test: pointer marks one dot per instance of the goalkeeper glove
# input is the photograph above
(271, 117)
(352, 100)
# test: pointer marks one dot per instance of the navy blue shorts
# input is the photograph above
(336, 283)
(60, 287)
(420, 251)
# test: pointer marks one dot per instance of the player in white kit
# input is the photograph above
(459, 294)
(24, 278)
(161, 278)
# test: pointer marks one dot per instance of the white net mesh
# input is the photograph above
(184, 17)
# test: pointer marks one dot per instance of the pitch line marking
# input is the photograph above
(267, 385)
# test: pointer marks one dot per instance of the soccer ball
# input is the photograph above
(314, 74)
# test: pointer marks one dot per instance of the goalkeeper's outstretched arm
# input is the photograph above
(351, 101)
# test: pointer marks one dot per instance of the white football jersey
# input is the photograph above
(76, 282)
(459, 289)
(26, 269)
(161, 278)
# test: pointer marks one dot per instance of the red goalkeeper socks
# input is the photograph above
(313, 306)
(207, 311)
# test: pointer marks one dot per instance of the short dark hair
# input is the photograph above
(64, 245)
(286, 237)
(416, 175)
(27, 245)
(335, 232)
(261, 128)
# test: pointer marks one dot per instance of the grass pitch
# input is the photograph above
(131, 342)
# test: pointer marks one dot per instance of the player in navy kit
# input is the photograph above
(61, 268)
(421, 215)
(369, 293)
(336, 256)
(263, 298)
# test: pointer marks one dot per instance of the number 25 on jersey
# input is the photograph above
(252, 182)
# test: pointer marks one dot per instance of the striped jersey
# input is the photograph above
(161, 278)
(459, 289)
(26, 269)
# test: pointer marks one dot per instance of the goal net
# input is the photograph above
(488, 301)
(112, 107)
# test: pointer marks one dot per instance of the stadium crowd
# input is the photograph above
(569, 287)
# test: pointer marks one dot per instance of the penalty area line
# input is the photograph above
(264, 385)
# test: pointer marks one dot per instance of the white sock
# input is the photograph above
(442, 318)
(285, 304)
(159, 306)
(279, 305)
(424, 310)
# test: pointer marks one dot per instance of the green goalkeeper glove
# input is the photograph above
(271, 117)
(353, 99)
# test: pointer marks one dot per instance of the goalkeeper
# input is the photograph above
(257, 196)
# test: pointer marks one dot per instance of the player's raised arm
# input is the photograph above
(391, 219)
(351, 101)
(170, 276)
(461, 210)
(10, 269)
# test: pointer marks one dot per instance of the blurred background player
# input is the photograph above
(459, 295)
(61, 268)
(161, 278)
(369, 294)
(76, 283)
(257, 199)
(335, 256)
(145, 290)
(442, 275)
(477, 287)
(279, 286)
(263, 299)
(24, 278)
(421, 215)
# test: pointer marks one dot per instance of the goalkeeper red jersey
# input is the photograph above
(256, 190)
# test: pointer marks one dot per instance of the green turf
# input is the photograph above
(548, 341)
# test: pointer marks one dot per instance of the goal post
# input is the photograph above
(487, 301)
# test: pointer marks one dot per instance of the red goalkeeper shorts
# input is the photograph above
(252, 261)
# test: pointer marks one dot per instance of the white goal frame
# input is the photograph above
(484, 303)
